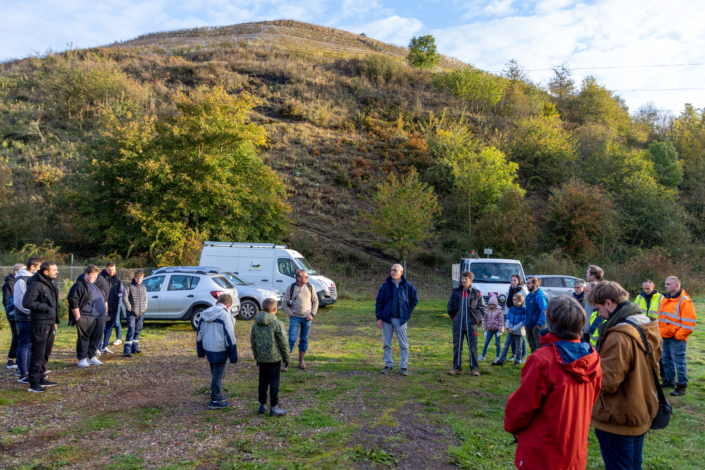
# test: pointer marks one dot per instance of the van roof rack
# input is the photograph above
(244, 245)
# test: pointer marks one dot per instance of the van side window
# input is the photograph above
(287, 267)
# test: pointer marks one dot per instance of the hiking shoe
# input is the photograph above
(475, 372)
(454, 372)
(117, 342)
(11, 364)
(667, 384)
(481, 358)
(37, 389)
(262, 409)
(106, 351)
(83, 363)
(497, 363)
(386, 370)
(404, 372)
(679, 391)
(47, 383)
(276, 411)
(218, 405)
(23, 380)
(94, 361)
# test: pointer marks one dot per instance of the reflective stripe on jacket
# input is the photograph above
(676, 317)
(651, 310)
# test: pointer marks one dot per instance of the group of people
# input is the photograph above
(31, 300)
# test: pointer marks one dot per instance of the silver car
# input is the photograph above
(251, 297)
(181, 293)
(554, 285)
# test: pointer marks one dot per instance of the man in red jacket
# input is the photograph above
(550, 412)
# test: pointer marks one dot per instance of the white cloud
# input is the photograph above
(393, 29)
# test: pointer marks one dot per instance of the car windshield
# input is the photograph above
(495, 272)
(238, 281)
(303, 264)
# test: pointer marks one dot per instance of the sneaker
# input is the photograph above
(37, 389)
(475, 372)
(481, 358)
(83, 363)
(17, 372)
(23, 380)
(497, 363)
(106, 351)
(679, 391)
(117, 342)
(218, 405)
(276, 411)
(454, 372)
(386, 370)
(667, 384)
(11, 364)
(262, 409)
(97, 353)
(512, 357)
(47, 372)
(47, 383)
(94, 362)
(522, 361)
(404, 372)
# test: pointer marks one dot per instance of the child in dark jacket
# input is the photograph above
(270, 348)
(514, 326)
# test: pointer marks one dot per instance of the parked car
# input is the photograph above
(251, 297)
(492, 276)
(175, 293)
(554, 285)
(267, 266)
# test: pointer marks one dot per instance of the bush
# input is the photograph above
(480, 90)
(508, 227)
(377, 68)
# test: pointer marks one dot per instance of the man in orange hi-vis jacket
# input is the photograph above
(676, 319)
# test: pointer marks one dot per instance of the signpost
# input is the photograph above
(488, 251)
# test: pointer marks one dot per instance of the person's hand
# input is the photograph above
(309, 318)
(78, 316)
(55, 326)
(511, 330)
(379, 324)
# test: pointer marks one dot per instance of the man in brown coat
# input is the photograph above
(628, 402)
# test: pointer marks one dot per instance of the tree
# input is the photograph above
(579, 219)
(508, 226)
(544, 151)
(481, 90)
(562, 85)
(153, 183)
(404, 213)
(422, 52)
(595, 103)
(667, 168)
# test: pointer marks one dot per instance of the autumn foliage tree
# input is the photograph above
(509, 226)
(161, 182)
(404, 214)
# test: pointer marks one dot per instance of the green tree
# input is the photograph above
(423, 53)
(480, 90)
(404, 213)
(595, 103)
(544, 151)
(508, 227)
(667, 168)
(153, 183)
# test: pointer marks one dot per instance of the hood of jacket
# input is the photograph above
(22, 273)
(10, 277)
(627, 327)
(211, 314)
(577, 357)
(265, 318)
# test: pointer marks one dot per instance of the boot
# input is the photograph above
(135, 348)
(127, 350)
(667, 384)
(302, 364)
(679, 391)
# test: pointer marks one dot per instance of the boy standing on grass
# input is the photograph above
(270, 348)
(216, 341)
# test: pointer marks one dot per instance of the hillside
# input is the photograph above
(584, 181)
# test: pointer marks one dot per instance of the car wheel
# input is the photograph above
(248, 310)
(196, 317)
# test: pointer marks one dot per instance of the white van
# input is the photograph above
(266, 265)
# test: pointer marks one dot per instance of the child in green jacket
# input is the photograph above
(270, 348)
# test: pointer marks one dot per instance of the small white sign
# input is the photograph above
(488, 251)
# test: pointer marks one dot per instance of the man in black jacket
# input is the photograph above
(111, 287)
(42, 301)
(6, 293)
(466, 307)
(87, 309)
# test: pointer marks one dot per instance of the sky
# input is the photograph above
(619, 42)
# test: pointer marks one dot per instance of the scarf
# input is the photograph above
(579, 297)
(618, 316)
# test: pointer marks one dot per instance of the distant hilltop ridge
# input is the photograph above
(283, 35)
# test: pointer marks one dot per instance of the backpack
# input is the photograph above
(291, 291)
(10, 308)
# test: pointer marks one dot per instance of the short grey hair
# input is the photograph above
(300, 273)
(580, 283)
(565, 317)
(398, 266)
(17, 267)
(675, 279)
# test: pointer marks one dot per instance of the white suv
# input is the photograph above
(179, 293)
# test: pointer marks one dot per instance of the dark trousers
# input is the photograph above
(134, 327)
(269, 374)
(42, 344)
(464, 332)
(15, 340)
(90, 331)
(532, 334)
(218, 370)
(620, 452)
(24, 346)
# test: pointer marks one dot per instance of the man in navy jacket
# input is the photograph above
(396, 300)
(536, 305)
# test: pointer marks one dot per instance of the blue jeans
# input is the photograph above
(488, 337)
(674, 360)
(515, 341)
(24, 346)
(620, 452)
(109, 325)
(218, 370)
(523, 348)
(296, 324)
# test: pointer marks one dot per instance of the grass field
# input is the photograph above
(150, 411)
